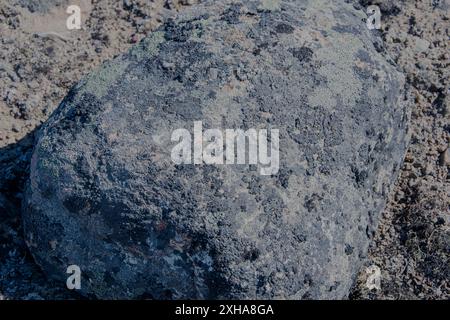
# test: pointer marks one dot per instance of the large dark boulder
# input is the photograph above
(105, 195)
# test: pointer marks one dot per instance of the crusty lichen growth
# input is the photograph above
(341, 81)
(270, 5)
(149, 47)
(100, 81)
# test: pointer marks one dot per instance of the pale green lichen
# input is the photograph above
(270, 5)
(341, 80)
(322, 97)
(98, 83)
(149, 47)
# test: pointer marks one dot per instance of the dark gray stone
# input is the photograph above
(105, 195)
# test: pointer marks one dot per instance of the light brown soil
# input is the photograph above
(412, 245)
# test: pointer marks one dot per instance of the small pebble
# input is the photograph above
(14, 128)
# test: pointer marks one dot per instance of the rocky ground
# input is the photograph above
(412, 245)
(38, 66)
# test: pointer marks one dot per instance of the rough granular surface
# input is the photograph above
(105, 195)
(412, 245)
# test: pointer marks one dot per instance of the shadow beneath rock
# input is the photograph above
(20, 277)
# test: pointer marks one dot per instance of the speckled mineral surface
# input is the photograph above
(104, 193)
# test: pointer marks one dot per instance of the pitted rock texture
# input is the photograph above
(105, 195)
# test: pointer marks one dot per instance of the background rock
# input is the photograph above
(411, 246)
(104, 194)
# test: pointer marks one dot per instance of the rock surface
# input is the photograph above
(105, 195)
